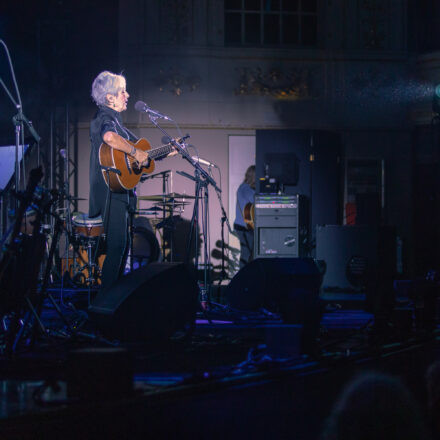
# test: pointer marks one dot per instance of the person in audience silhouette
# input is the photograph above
(375, 406)
(433, 388)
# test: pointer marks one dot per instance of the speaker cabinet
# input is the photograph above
(151, 303)
(340, 245)
(281, 226)
(288, 286)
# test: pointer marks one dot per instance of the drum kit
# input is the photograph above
(164, 214)
(157, 220)
(88, 232)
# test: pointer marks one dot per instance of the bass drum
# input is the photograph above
(146, 248)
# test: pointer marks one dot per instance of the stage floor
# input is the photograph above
(239, 375)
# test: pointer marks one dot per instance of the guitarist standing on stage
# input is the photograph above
(110, 95)
(245, 194)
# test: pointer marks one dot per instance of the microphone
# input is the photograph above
(203, 161)
(141, 106)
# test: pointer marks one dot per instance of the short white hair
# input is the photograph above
(106, 83)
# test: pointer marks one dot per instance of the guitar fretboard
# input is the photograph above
(160, 151)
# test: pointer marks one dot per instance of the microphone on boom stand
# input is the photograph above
(141, 106)
(204, 161)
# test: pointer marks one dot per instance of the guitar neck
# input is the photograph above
(159, 152)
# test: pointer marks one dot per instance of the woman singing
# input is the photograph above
(110, 95)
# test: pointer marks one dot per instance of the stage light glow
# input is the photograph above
(436, 100)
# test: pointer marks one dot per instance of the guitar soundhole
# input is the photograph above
(136, 169)
(139, 170)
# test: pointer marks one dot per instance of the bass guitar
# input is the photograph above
(129, 172)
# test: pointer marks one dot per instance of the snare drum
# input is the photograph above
(86, 226)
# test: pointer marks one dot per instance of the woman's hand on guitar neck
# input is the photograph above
(140, 156)
(173, 152)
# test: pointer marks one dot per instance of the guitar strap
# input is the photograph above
(132, 135)
(128, 134)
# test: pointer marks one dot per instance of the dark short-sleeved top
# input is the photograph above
(106, 119)
(245, 194)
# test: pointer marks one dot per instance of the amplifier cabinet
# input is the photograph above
(280, 226)
(337, 245)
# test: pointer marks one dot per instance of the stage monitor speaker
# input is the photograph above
(340, 246)
(150, 304)
(288, 286)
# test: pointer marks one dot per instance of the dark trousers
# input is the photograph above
(246, 238)
(116, 230)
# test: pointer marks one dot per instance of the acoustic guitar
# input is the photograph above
(129, 171)
(249, 215)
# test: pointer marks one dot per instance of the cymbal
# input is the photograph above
(171, 204)
(73, 198)
(175, 195)
(153, 198)
(153, 210)
(160, 197)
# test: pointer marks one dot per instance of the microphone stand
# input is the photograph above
(203, 180)
(224, 220)
(18, 121)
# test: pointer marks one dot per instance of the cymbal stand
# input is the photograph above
(164, 175)
(29, 312)
(164, 213)
(68, 213)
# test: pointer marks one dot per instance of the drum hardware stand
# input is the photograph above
(32, 251)
(90, 265)
(58, 226)
(165, 190)
(66, 196)
(36, 310)
(23, 286)
(15, 288)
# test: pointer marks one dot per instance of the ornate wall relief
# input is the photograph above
(176, 82)
(294, 84)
